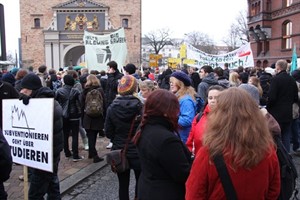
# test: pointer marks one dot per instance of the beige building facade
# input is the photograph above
(52, 30)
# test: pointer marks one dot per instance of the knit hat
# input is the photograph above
(31, 81)
(9, 78)
(69, 80)
(14, 71)
(182, 77)
(127, 85)
(252, 90)
(130, 68)
(296, 75)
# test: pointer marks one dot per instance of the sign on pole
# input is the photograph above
(29, 131)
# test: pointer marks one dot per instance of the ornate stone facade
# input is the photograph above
(52, 30)
(273, 29)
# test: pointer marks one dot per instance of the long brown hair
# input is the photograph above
(160, 103)
(238, 129)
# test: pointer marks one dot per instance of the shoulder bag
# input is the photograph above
(117, 158)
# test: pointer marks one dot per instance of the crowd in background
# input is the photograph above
(181, 119)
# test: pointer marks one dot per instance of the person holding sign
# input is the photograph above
(43, 182)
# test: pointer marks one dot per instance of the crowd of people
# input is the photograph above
(172, 144)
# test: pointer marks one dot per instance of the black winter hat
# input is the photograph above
(182, 77)
(31, 81)
(69, 80)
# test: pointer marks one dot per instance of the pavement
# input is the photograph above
(69, 173)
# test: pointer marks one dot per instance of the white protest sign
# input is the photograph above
(29, 131)
(100, 49)
(240, 57)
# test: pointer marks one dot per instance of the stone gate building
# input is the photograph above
(52, 30)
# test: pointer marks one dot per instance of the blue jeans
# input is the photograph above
(295, 133)
(42, 183)
(286, 134)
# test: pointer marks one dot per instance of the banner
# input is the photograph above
(240, 57)
(100, 49)
(28, 130)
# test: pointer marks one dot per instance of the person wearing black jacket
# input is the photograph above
(111, 88)
(165, 160)
(43, 182)
(5, 164)
(283, 92)
(125, 110)
(7, 91)
(70, 100)
(113, 77)
(195, 77)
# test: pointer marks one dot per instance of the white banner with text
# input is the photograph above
(29, 131)
(100, 49)
(240, 57)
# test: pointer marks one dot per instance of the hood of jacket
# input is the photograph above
(210, 79)
(125, 107)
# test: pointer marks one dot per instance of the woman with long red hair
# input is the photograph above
(237, 130)
(165, 161)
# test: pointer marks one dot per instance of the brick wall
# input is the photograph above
(32, 39)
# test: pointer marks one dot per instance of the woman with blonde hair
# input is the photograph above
(146, 87)
(253, 80)
(237, 130)
(93, 124)
(181, 86)
(234, 79)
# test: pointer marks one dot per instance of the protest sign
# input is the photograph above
(29, 131)
(240, 57)
(100, 49)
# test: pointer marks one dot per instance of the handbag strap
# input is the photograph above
(129, 135)
(225, 177)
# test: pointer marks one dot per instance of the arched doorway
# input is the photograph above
(74, 55)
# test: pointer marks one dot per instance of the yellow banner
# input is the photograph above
(182, 51)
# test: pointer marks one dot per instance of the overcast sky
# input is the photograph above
(213, 17)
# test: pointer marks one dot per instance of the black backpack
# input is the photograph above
(288, 172)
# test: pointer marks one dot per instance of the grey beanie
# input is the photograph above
(252, 90)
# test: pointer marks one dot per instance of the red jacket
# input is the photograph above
(197, 130)
(261, 182)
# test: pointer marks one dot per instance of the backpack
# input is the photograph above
(94, 103)
(56, 84)
(199, 103)
(5, 159)
(288, 171)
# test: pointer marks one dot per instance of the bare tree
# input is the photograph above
(201, 41)
(237, 34)
(158, 39)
